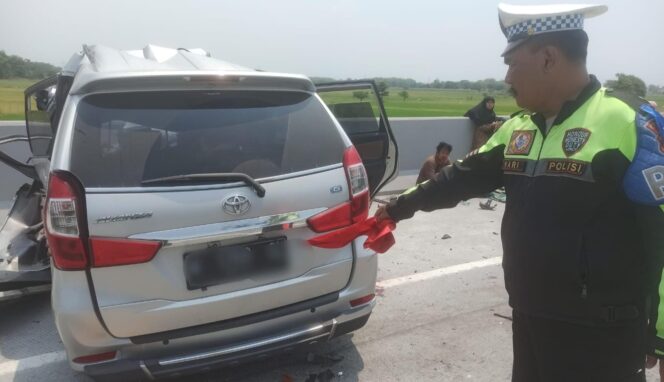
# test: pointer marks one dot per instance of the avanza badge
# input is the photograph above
(574, 140)
(521, 142)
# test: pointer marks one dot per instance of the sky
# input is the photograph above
(419, 39)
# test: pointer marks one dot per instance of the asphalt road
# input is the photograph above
(440, 328)
(441, 315)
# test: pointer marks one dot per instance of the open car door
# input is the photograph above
(359, 109)
(38, 127)
(39, 110)
(24, 261)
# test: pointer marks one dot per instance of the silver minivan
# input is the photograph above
(181, 192)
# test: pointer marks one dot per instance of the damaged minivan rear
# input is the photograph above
(180, 195)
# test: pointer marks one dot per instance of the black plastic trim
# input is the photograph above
(238, 321)
(120, 370)
(350, 326)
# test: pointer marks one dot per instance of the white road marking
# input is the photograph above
(417, 277)
(9, 368)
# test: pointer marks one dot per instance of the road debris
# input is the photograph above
(325, 376)
(488, 205)
(502, 316)
(499, 195)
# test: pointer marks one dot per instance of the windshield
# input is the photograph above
(123, 139)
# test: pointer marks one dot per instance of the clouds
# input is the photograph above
(336, 38)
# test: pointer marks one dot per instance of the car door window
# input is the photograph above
(39, 106)
(360, 112)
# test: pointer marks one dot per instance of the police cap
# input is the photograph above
(520, 22)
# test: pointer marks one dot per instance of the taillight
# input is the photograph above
(67, 235)
(64, 223)
(95, 357)
(355, 172)
(353, 211)
(107, 252)
(362, 300)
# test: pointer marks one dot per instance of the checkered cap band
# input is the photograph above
(545, 24)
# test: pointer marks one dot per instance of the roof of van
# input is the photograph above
(100, 68)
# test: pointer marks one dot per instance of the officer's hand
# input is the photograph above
(651, 362)
(381, 213)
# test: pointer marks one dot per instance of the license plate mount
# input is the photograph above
(220, 264)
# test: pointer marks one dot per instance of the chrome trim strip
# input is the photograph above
(230, 229)
(333, 329)
(22, 138)
(130, 190)
(249, 346)
(146, 371)
(301, 173)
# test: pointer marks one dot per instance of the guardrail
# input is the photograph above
(417, 139)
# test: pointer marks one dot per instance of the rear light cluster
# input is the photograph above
(357, 208)
(362, 300)
(95, 357)
(66, 231)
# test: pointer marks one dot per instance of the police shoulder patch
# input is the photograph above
(521, 142)
(574, 140)
(651, 125)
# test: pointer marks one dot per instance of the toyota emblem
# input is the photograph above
(236, 205)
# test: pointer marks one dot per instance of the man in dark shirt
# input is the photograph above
(434, 163)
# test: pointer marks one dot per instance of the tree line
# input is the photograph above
(18, 67)
(623, 82)
(12, 66)
(488, 84)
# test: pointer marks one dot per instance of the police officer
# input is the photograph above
(576, 266)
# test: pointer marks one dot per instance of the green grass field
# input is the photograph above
(659, 98)
(11, 98)
(420, 103)
(442, 103)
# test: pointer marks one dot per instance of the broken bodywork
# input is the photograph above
(24, 259)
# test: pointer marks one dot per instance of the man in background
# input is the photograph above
(434, 163)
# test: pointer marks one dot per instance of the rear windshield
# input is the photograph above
(121, 140)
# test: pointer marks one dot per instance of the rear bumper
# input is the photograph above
(230, 355)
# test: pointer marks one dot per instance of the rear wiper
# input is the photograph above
(225, 176)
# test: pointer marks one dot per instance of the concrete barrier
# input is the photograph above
(417, 139)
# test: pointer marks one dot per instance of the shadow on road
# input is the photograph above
(337, 361)
(27, 328)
